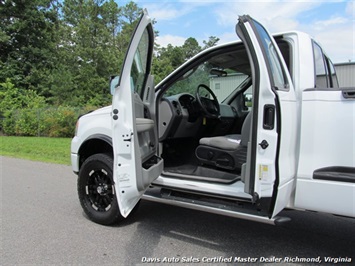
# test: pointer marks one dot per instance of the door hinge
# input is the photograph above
(255, 197)
(115, 114)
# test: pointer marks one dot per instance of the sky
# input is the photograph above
(331, 23)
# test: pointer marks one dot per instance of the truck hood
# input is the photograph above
(101, 111)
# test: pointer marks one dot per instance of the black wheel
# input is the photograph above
(96, 190)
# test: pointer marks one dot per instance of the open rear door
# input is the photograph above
(270, 170)
(134, 133)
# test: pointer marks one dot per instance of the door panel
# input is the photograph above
(327, 141)
(287, 152)
(271, 168)
(258, 173)
(134, 137)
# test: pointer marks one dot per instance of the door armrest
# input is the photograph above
(144, 124)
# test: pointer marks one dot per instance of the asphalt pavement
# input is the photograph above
(42, 223)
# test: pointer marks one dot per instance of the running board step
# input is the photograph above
(152, 195)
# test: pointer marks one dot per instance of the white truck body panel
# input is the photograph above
(327, 139)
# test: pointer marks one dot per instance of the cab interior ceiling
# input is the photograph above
(236, 60)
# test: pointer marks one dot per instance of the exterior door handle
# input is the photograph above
(269, 117)
(349, 93)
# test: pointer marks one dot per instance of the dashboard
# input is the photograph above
(181, 116)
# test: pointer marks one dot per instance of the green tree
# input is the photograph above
(88, 51)
(19, 109)
(166, 60)
(190, 48)
(212, 41)
(171, 57)
(27, 42)
(130, 12)
(96, 34)
(66, 50)
(128, 21)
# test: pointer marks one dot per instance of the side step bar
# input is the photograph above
(197, 206)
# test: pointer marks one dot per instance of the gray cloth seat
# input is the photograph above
(227, 152)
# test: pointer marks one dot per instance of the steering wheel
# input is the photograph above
(210, 107)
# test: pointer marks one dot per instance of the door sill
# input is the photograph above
(201, 174)
(231, 210)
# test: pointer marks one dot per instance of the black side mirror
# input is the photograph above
(113, 83)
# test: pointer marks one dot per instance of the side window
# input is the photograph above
(248, 99)
(321, 75)
(139, 67)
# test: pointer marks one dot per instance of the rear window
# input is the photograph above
(321, 78)
(325, 76)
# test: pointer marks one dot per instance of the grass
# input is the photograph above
(53, 150)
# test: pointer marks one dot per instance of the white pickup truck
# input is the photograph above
(243, 129)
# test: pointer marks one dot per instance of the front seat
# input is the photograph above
(227, 152)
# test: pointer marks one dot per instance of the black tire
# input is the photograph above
(96, 190)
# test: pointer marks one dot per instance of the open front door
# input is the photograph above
(134, 133)
(270, 170)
